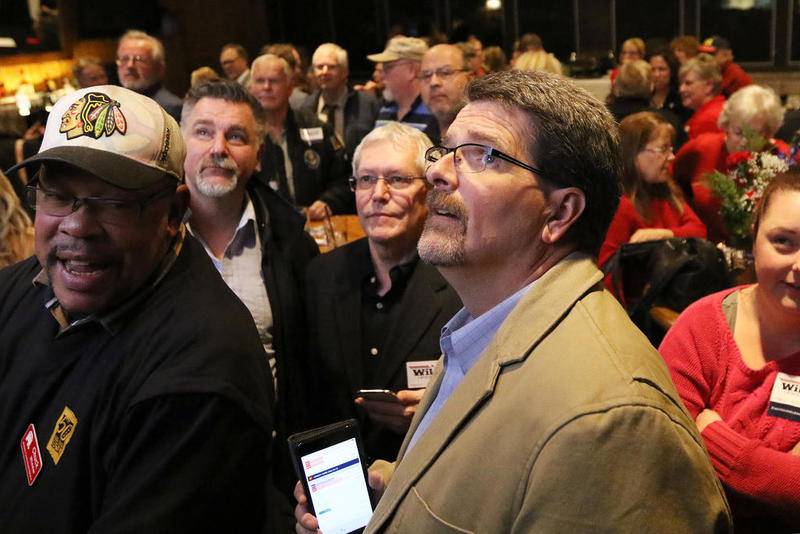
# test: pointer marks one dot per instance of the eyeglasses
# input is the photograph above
(660, 150)
(396, 182)
(136, 60)
(106, 210)
(443, 73)
(473, 157)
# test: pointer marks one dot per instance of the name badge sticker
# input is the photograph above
(784, 401)
(309, 135)
(31, 454)
(418, 374)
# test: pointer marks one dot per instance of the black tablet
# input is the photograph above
(329, 462)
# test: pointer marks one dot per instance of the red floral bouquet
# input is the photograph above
(740, 189)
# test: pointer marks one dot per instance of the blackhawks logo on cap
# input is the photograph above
(93, 114)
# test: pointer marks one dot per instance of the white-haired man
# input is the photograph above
(393, 305)
(302, 159)
(141, 66)
(350, 114)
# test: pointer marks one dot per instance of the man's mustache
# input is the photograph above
(439, 200)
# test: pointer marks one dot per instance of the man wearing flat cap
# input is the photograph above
(133, 394)
(733, 76)
(401, 65)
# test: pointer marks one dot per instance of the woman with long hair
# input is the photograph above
(16, 230)
(652, 206)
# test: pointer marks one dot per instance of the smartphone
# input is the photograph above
(378, 394)
(329, 461)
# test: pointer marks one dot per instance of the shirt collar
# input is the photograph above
(243, 237)
(467, 337)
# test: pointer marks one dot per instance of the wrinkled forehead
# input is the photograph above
(492, 123)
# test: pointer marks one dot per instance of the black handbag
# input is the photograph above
(671, 273)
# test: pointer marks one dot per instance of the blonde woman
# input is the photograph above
(16, 229)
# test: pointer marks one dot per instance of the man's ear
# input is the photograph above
(566, 206)
(177, 209)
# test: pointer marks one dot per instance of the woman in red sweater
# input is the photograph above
(701, 84)
(735, 359)
(652, 206)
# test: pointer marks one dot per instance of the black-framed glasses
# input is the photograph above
(474, 157)
(112, 211)
(368, 181)
(443, 73)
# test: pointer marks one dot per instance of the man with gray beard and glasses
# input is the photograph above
(254, 238)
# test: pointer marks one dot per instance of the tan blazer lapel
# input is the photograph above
(539, 310)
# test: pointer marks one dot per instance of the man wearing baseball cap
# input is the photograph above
(733, 76)
(401, 64)
(133, 395)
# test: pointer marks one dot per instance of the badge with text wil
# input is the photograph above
(31, 454)
(62, 433)
(785, 398)
(418, 374)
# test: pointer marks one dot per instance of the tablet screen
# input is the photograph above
(337, 488)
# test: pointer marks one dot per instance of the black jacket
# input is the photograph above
(286, 251)
(334, 283)
(319, 167)
(360, 111)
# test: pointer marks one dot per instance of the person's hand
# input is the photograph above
(795, 450)
(397, 415)
(377, 483)
(306, 523)
(650, 234)
(705, 418)
(317, 211)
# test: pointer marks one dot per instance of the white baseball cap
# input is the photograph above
(120, 136)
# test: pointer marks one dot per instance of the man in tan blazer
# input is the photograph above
(550, 412)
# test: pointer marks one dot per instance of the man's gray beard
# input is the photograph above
(442, 248)
(387, 95)
(215, 190)
(139, 85)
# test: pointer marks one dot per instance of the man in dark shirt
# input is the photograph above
(302, 159)
(133, 391)
(141, 67)
(401, 66)
(375, 310)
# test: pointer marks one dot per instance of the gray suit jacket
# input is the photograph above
(568, 422)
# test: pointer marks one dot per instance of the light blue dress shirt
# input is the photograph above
(463, 340)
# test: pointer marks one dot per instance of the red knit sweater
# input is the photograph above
(627, 220)
(749, 449)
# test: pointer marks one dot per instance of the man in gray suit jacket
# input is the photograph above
(550, 412)
(375, 311)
